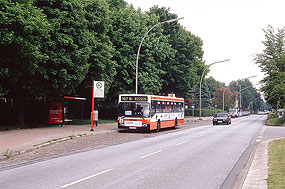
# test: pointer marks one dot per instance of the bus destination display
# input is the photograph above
(133, 98)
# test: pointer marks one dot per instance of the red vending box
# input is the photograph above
(55, 113)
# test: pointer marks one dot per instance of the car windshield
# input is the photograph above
(232, 111)
(134, 109)
(221, 115)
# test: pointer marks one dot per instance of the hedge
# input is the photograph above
(204, 112)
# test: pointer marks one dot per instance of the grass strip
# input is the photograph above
(276, 163)
(275, 122)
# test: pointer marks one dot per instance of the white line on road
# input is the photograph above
(150, 154)
(182, 142)
(75, 182)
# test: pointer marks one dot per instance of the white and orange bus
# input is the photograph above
(149, 112)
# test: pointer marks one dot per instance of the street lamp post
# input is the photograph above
(207, 67)
(251, 103)
(240, 90)
(137, 61)
(224, 98)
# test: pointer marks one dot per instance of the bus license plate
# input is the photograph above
(132, 128)
(133, 123)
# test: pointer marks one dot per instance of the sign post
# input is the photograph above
(97, 92)
(193, 106)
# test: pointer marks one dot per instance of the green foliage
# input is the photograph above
(204, 112)
(272, 63)
(229, 98)
(205, 96)
(272, 115)
(67, 48)
(51, 48)
(248, 94)
(102, 67)
(213, 85)
(8, 153)
(128, 28)
(22, 29)
(183, 71)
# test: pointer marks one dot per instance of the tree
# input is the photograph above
(229, 98)
(248, 92)
(128, 28)
(68, 47)
(184, 70)
(272, 63)
(102, 67)
(22, 29)
(205, 96)
(213, 85)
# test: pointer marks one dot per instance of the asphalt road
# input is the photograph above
(201, 157)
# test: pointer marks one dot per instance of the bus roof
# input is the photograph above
(154, 97)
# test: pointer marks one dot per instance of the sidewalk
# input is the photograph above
(26, 139)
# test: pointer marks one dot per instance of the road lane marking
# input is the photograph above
(259, 137)
(182, 142)
(200, 136)
(97, 174)
(150, 154)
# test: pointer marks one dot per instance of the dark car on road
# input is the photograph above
(222, 118)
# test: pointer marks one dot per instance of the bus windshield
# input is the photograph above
(134, 109)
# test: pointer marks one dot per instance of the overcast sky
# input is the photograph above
(230, 29)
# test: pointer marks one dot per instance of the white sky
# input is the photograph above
(230, 29)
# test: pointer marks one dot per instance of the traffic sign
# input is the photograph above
(99, 89)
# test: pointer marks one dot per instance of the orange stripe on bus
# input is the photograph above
(165, 124)
(170, 99)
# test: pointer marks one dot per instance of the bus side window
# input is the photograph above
(168, 107)
(179, 107)
(153, 108)
(158, 107)
(171, 107)
(163, 107)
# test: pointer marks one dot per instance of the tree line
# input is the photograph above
(51, 48)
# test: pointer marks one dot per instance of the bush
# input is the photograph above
(272, 115)
(282, 120)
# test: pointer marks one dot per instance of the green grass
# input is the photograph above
(276, 163)
(275, 122)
